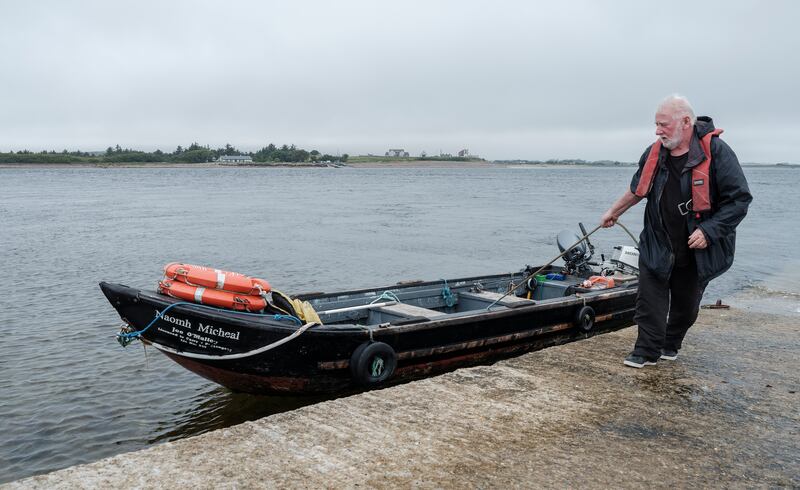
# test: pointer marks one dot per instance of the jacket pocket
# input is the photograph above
(653, 254)
(716, 258)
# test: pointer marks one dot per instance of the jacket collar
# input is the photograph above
(703, 126)
(696, 154)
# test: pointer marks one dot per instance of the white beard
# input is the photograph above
(674, 142)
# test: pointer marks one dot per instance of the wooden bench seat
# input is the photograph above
(406, 310)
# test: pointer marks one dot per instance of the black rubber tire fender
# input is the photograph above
(372, 363)
(584, 319)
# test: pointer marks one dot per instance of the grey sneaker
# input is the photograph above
(669, 354)
(639, 361)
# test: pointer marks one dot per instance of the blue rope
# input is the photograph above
(447, 295)
(279, 317)
(126, 338)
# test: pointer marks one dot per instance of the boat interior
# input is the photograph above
(420, 301)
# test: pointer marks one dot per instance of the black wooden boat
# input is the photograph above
(377, 336)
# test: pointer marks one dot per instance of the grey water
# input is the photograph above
(70, 394)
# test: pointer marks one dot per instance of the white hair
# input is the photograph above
(679, 106)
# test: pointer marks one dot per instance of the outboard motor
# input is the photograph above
(626, 259)
(577, 258)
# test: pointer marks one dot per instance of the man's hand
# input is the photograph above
(697, 239)
(608, 220)
(622, 204)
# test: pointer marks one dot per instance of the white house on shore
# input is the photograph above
(235, 159)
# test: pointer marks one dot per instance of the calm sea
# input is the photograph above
(70, 394)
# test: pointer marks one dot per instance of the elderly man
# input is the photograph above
(696, 196)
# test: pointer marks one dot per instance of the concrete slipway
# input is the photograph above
(725, 414)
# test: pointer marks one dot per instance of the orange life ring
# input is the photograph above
(197, 275)
(212, 297)
(598, 282)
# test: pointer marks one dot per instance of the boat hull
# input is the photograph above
(207, 342)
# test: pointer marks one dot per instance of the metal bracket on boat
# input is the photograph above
(369, 331)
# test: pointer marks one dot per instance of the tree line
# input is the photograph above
(194, 153)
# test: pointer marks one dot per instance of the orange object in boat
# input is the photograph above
(197, 275)
(598, 282)
(212, 297)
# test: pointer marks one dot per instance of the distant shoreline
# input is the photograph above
(387, 164)
(369, 165)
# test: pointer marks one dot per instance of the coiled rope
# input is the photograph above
(447, 295)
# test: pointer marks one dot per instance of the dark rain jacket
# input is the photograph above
(730, 197)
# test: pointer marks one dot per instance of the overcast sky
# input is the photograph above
(516, 79)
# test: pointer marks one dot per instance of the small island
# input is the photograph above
(194, 154)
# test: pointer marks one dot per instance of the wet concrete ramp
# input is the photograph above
(726, 413)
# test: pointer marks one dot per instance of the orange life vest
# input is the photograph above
(212, 297)
(197, 275)
(701, 193)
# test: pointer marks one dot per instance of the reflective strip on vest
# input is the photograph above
(701, 194)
